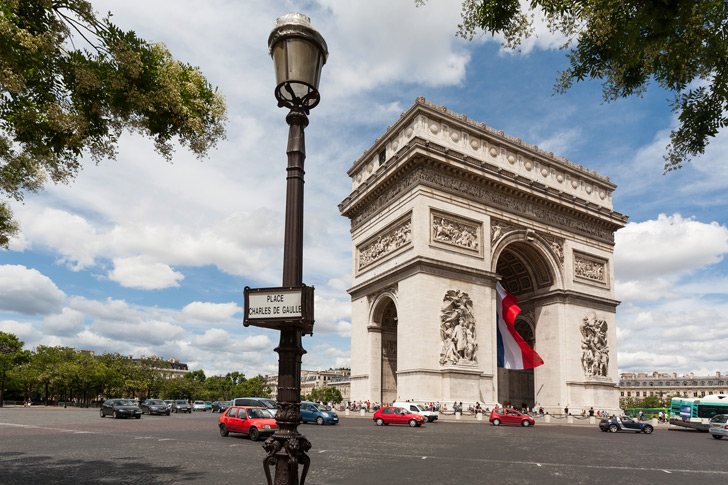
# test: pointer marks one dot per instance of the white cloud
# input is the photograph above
(138, 272)
(152, 332)
(28, 292)
(332, 316)
(67, 323)
(668, 245)
(23, 330)
(211, 311)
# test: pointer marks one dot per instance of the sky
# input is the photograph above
(144, 257)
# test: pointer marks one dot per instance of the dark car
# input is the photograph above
(121, 408)
(624, 423)
(154, 406)
(181, 406)
(221, 406)
(316, 413)
(257, 402)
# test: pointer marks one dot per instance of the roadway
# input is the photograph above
(52, 445)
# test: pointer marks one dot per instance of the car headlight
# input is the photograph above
(325, 415)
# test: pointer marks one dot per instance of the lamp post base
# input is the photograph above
(285, 453)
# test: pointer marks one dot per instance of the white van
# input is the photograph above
(417, 409)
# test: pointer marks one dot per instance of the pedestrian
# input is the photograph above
(640, 415)
(566, 410)
(591, 412)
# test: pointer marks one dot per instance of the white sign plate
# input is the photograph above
(275, 304)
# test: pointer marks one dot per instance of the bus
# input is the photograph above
(696, 412)
(647, 413)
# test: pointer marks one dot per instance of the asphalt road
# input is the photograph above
(51, 446)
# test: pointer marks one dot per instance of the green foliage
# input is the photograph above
(12, 356)
(72, 83)
(680, 44)
(325, 394)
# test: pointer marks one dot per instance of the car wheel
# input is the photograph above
(525, 423)
(613, 428)
(496, 422)
(101, 412)
(412, 423)
(138, 416)
(254, 434)
(116, 416)
(223, 430)
(717, 436)
(379, 421)
(319, 420)
(648, 429)
(167, 412)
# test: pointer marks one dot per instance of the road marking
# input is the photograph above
(538, 464)
(322, 451)
(143, 437)
(424, 457)
(667, 471)
(33, 426)
(166, 439)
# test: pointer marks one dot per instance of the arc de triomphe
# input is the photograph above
(442, 208)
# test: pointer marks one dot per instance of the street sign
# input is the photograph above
(279, 307)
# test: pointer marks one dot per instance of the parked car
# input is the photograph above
(181, 406)
(169, 403)
(255, 422)
(510, 416)
(208, 405)
(624, 423)
(391, 415)
(154, 406)
(199, 406)
(120, 408)
(719, 426)
(257, 402)
(316, 413)
(417, 409)
(221, 406)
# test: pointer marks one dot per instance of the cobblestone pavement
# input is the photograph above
(51, 445)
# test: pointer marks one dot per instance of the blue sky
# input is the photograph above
(140, 256)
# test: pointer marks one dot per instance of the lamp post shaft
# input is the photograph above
(288, 447)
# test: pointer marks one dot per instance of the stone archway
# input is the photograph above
(389, 353)
(525, 273)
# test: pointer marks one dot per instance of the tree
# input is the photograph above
(72, 83)
(325, 394)
(11, 355)
(680, 44)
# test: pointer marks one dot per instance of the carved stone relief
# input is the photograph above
(457, 329)
(594, 348)
(499, 229)
(486, 195)
(557, 246)
(590, 269)
(385, 244)
(389, 348)
(456, 233)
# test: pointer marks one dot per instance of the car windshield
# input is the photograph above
(181, 402)
(126, 402)
(269, 403)
(155, 401)
(259, 414)
(199, 402)
(418, 407)
(720, 418)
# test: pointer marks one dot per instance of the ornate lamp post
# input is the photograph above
(299, 52)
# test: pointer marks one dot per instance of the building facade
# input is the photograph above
(668, 385)
(441, 209)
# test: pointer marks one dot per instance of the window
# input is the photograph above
(629, 394)
(622, 394)
(231, 412)
(702, 383)
(652, 393)
(659, 383)
(652, 383)
(382, 157)
(387, 411)
(695, 394)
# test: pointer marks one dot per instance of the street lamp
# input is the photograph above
(299, 52)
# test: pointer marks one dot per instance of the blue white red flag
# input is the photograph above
(513, 351)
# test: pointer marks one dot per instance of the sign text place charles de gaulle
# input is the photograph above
(279, 307)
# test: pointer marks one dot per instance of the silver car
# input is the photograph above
(719, 426)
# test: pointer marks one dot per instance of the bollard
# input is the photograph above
(548, 418)
(653, 421)
(363, 412)
(479, 416)
(458, 414)
(347, 411)
(570, 419)
(592, 420)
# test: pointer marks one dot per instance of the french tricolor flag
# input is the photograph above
(513, 351)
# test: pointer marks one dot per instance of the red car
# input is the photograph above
(510, 416)
(255, 422)
(390, 415)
